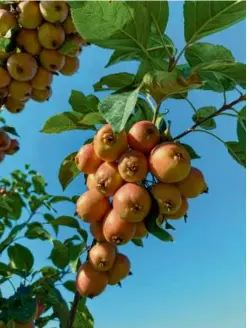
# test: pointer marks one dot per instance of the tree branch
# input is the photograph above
(218, 112)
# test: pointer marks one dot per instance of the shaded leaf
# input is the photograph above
(20, 257)
(67, 221)
(70, 285)
(142, 112)
(83, 234)
(68, 170)
(49, 218)
(114, 81)
(65, 121)
(5, 270)
(57, 199)
(16, 203)
(1, 229)
(35, 230)
(69, 46)
(160, 46)
(116, 109)
(22, 307)
(202, 18)
(4, 204)
(54, 298)
(83, 317)
(39, 184)
(10, 130)
(241, 127)
(159, 11)
(151, 224)
(75, 252)
(203, 113)
(92, 119)
(137, 242)
(121, 55)
(160, 84)
(237, 151)
(49, 272)
(207, 52)
(191, 151)
(168, 226)
(59, 254)
(83, 104)
(234, 71)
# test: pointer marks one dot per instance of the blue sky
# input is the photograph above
(196, 282)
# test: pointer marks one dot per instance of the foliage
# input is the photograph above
(27, 211)
(134, 31)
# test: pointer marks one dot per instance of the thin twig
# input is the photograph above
(211, 134)
(218, 112)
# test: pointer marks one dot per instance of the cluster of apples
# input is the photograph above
(8, 146)
(119, 196)
(27, 72)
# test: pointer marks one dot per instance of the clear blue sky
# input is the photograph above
(196, 282)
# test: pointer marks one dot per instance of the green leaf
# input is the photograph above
(149, 65)
(66, 121)
(83, 317)
(233, 71)
(70, 285)
(92, 119)
(203, 113)
(69, 46)
(16, 203)
(4, 204)
(48, 272)
(143, 112)
(67, 221)
(59, 254)
(160, 46)
(38, 184)
(83, 234)
(159, 11)
(10, 130)
(241, 127)
(68, 170)
(199, 53)
(83, 104)
(121, 55)
(160, 84)
(49, 218)
(191, 151)
(2, 228)
(202, 18)
(4, 44)
(118, 25)
(20, 257)
(114, 81)
(58, 199)
(75, 252)
(35, 230)
(116, 109)
(54, 298)
(151, 224)
(137, 242)
(237, 151)
(24, 310)
(5, 270)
